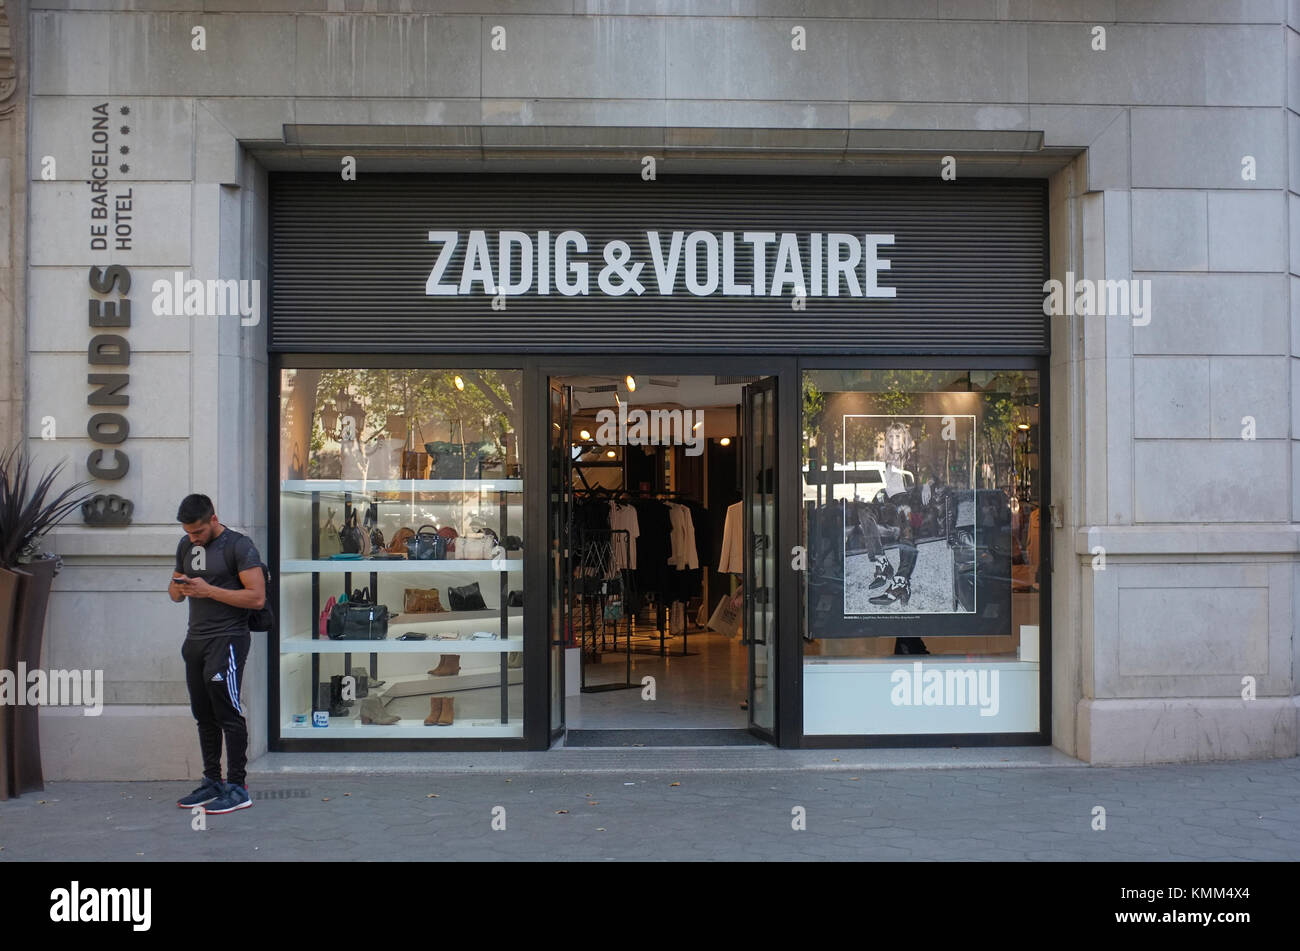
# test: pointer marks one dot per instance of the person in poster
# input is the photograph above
(896, 510)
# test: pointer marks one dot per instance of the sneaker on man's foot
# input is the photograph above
(234, 797)
(210, 790)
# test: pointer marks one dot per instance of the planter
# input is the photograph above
(9, 585)
(20, 743)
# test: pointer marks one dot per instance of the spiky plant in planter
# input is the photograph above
(28, 510)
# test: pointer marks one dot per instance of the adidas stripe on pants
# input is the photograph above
(214, 673)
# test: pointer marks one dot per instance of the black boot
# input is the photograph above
(884, 572)
(900, 589)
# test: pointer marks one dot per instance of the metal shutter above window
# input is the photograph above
(350, 262)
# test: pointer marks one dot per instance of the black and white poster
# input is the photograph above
(904, 534)
(909, 537)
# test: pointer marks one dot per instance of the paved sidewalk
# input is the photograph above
(1230, 811)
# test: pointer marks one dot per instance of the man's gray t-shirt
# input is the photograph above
(209, 617)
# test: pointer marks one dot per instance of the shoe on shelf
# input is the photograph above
(372, 711)
(448, 715)
(900, 589)
(435, 711)
(233, 797)
(448, 666)
(208, 790)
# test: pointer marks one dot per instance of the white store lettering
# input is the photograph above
(699, 263)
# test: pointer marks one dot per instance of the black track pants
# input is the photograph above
(214, 672)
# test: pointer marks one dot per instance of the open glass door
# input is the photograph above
(759, 481)
(560, 487)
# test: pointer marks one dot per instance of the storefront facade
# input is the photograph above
(477, 217)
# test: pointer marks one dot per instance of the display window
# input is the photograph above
(400, 553)
(922, 520)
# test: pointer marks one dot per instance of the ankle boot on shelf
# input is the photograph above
(435, 711)
(448, 715)
(372, 711)
(448, 666)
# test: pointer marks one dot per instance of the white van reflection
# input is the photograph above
(861, 481)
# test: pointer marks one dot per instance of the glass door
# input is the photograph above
(560, 488)
(759, 481)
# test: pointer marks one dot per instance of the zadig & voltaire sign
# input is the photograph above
(701, 263)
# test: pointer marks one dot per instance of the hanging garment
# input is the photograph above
(684, 555)
(654, 545)
(624, 518)
(733, 553)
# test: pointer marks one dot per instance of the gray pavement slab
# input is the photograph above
(1241, 811)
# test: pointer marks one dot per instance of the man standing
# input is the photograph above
(220, 571)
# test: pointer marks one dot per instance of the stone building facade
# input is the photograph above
(1168, 132)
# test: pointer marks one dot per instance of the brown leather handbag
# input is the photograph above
(398, 545)
(422, 601)
(415, 464)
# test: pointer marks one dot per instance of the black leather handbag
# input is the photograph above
(515, 599)
(426, 545)
(466, 598)
(352, 537)
(358, 619)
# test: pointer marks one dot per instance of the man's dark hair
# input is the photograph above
(194, 508)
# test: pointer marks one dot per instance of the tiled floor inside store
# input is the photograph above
(703, 690)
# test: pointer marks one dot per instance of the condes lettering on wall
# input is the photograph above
(702, 263)
(108, 347)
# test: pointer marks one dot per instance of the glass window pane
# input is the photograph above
(401, 553)
(921, 516)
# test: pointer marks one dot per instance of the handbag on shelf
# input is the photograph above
(451, 535)
(398, 545)
(515, 599)
(422, 601)
(466, 598)
(329, 543)
(354, 539)
(476, 546)
(358, 620)
(426, 545)
(321, 622)
(415, 464)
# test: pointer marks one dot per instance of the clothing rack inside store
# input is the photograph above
(596, 579)
(661, 621)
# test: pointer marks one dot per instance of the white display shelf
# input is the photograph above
(447, 617)
(303, 644)
(404, 729)
(399, 565)
(402, 686)
(364, 486)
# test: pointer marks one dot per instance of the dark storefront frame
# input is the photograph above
(537, 369)
(543, 359)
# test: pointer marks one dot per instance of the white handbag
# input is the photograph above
(475, 546)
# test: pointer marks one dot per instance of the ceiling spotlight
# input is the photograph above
(630, 380)
(460, 384)
(724, 441)
(1022, 425)
(611, 453)
(584, 434)
(697, 425)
